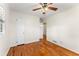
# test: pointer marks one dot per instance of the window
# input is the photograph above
(1, 24)
(2, 11)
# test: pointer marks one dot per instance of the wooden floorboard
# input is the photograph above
(41, 48)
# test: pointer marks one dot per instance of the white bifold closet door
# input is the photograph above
(19, 31)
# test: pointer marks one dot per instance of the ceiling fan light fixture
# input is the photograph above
(45, 7)
(43, 11)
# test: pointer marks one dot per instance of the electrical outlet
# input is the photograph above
(57, 41)
(54, 41)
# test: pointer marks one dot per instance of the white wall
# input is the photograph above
(9, 38)
(4, 37)
(64, 28)
(25, 28)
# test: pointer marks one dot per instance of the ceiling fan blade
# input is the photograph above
(41, 4)
(36, 9)
(52, 8)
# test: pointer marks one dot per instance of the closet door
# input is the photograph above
(20, 31)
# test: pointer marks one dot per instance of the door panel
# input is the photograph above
(20, 31)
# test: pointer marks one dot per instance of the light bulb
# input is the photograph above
(46, 9)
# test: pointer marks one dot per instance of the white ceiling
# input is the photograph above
(27, 8)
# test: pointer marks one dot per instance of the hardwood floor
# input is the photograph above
(40, 48)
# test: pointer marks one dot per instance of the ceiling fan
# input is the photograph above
(45, 7)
